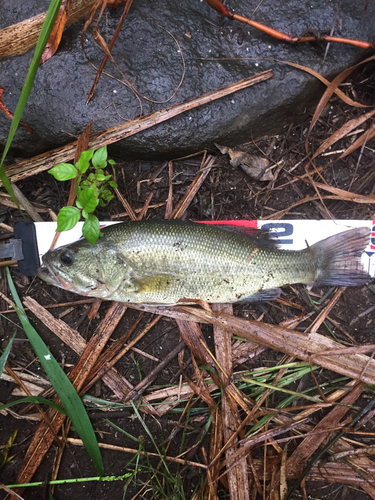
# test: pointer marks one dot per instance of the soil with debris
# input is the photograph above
(227, 193)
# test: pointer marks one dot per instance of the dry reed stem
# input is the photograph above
(19, 38)
(342, 132)
(169, 205)
(181, 208)
(345, 195)
(127, 6)
(145, 207)
(191, 334)
(125, 204)
(238, 480)
(323, 471)
(310, 444)
(133, 451)
(322, 316)
(54, 306)
(27, 206)
(331, 88)
(137, 211)
(94, 309)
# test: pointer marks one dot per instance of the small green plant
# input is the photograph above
(91, 189)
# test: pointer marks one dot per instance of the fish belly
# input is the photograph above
(171, 280)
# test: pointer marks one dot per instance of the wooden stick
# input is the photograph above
(22, 200)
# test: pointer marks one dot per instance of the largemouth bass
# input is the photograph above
(170, 262)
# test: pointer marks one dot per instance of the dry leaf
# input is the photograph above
(254, 166)
(57, 31)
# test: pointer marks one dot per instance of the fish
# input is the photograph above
(168, 262)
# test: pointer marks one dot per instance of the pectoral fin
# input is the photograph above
(154, 283)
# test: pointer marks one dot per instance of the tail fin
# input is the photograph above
(339, 258)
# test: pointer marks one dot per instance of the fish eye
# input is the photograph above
(67, 257)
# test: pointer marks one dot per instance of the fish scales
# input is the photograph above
(166, 262)
(207, 263)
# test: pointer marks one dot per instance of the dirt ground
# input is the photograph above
(227, 193)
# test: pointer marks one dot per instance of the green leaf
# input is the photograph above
(35, 400)
(4, 356)
(84, 160)
(64, 171)
(91, 229)
(112, 162)
(84, 214)
(47, 26)
(99, 160)
(78, 203)
(67, 218)
(88, 199)
(100, 177)
(62, 385)
(78, 182)
(113, 184)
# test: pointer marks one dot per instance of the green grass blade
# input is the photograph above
(4, 356)
(314, 399)
(75, 480)
(121, 430)
(36, 400)
(161, 455)
(28, 85)
(62, 385)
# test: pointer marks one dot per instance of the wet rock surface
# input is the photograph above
(150, 59)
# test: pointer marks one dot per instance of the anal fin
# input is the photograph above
(262, 296)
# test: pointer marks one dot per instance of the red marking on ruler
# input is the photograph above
(243, 223)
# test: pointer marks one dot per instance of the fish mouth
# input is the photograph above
(54, 277)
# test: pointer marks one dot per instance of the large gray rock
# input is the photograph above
(149, 58)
